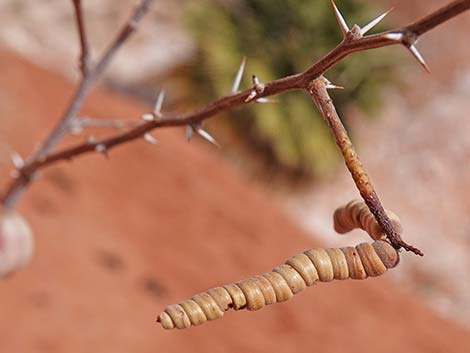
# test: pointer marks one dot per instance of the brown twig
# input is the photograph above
(86, 83)
(319, 94)
(354, 41)
(84, 61)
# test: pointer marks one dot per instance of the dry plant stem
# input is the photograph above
(406, 36)
(90, 76)
(327, 109)
(84, 61)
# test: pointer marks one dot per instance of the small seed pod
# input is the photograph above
(16, 242)
(297, 273)
(356, 214)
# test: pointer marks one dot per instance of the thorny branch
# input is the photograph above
(354, 41)
(91, 75)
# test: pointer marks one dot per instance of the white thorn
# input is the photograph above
(342, 23)
(374, 22)
(91, 140)
(418, 57)
(205, 135)
(150, 139)
(264, 100)
(159, 103)
(258, 88)
(238, 77)
(189, 132)
(330, 85)
(148, 117)
(251, 96)
(100, 148)
(16, 159)
(394, 36)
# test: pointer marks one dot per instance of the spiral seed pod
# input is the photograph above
(356, 214)
(297, 273)
(16, 242)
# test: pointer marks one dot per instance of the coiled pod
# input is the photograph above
(356, 214)
(283, 282)
(16, 242)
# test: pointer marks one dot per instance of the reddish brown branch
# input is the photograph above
(353, 42)
(319, 94)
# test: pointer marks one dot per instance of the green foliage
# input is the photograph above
(280, 38)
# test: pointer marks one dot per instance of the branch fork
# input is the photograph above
(311, 79)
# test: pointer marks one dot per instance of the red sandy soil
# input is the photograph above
(119, 239)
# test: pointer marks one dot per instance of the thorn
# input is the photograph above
(150, 139)
(157, 110)
(374, 22)
(189, 132)
(339, 17)
(100, 148)
(205, 135)
(329, 85)
(251, 96)
(91, 140)
(238, 77)
(148, 117)
(412, 48)
(258, 88)
(264, 100)
(16, 159)
(394, 36)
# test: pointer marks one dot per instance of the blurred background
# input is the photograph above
(111, 252)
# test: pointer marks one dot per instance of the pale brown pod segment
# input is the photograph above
(266, 288)
(280, 286)
(303, 265)
(178, 316)
(253, 294)
(339, 263)
(165, 320)
(194, 311)
(322, 263)
(284, 281)
(293, 278)
(370, 260)
(238, 298)
(387, 253)
(356, 214)
(222, 297)
(356, 270)
(208, 306)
